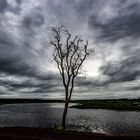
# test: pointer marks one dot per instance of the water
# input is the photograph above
(49, 115)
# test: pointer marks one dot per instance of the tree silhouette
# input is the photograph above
(69, 55)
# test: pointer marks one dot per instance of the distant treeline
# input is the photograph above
(113, 104)
(22, 100)
(121, 99)
(14, 101)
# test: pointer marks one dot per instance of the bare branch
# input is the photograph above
(69, 54)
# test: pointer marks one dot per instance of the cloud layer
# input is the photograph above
(112, 27)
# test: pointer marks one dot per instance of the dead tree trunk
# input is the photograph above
(65, 114)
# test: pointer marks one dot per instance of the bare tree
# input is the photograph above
(69, 54)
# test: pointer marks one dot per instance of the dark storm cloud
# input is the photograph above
(50, 84)
(6, 6)
(19, 1)
(5, 39)
(83, 7)
(50, 89)
(31, 24)
(11, 60)
(33, 20)
(50, 76)
(90, 83)
(120, 27)
(15, 66)
(3, 5)
(50, 81)
(16, 9)
(135, 88)
(126, 70)
(125, 24)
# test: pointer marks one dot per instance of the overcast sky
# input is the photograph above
(112, 27)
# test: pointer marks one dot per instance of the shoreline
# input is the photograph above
(110, 104)
(25, 133)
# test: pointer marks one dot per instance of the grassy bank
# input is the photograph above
(52, 134)
(114, 104)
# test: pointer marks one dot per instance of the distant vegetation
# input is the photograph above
(15, 101)
(113, 104)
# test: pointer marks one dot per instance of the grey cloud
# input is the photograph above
(11, 56)
(15, 66)
(84, 7)
(19, 1)
(20, 51)
(30, 26)
(3, 5)
(5, 38)
(135, 88)
(35, 19)
(126, 24)
(126, 70)
(88, 82)
(50, 84)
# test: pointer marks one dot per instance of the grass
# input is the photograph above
(114, 104)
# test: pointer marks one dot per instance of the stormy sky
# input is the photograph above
(112, 27)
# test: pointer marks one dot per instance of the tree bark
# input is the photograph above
(64, 114)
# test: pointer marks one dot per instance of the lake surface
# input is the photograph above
(49, 115)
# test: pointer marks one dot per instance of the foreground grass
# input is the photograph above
(118, 104)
